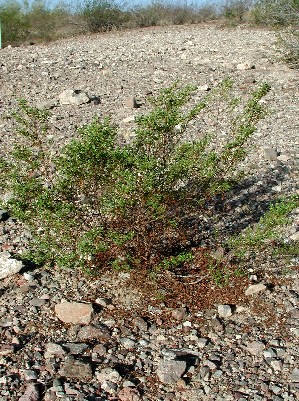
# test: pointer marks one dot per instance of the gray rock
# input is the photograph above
(170, 371)
(73, 97)
(75, 348)
(270, 154)
(8, 265)
(76, 369)
(245, 66)
(127, 343)
(294, 377)
(30, 375)
(37, 302)
(132, 103)
(91, 333)
(256, 347)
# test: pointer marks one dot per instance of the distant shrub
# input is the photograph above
(14, 22)
(288, 42)
(275, 12)
(101, 15)
(236, 11)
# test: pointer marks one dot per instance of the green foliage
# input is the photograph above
(14, 23)
(268, 229)
(101, 205)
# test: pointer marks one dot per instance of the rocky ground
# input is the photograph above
(65, 336)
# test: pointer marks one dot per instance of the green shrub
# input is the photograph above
(102, 205)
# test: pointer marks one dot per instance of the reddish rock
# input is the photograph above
(74, 312)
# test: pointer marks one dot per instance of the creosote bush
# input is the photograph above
(102, 205)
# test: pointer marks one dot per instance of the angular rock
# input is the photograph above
(129, 394)
(224, 310)
(53, 349)
(254, 289)
(9, 266)
(131, 103)
(74, 312)
(108, 374)
(256, 347)
(75, 369)
(91, 333)
(270, 154)
(294, 377)
(170, 371)
(75, 348)
(31, 394)
(74, 97)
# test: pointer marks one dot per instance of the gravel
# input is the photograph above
(245, 348)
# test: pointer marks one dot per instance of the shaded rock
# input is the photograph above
(31, 394)
(75, 348)
(170, 371)
(74, 312)
(75, 97)
(76, 369)
(8, 265)
(4, 215)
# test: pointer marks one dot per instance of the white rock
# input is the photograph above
(245, 66)
(75, 97)
(255, 288)
(108, 374)
(8, 265)
(224, 310)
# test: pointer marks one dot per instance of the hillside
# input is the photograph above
(134, 339)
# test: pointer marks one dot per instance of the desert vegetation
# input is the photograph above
(31, 22)
(102, 204)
